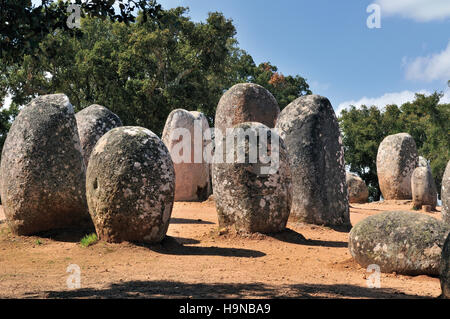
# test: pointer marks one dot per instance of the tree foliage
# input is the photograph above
(427, 121)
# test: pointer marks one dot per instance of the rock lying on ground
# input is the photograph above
(93, 122)
(246, 102)
(311, 131)
(358, 192)
(251, 195)
(130, 186)
(445, 195)
(401, 242)
(42, 169)
(396, 160)
(423, 188)
(445, 269)
(192, 171)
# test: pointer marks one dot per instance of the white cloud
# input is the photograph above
(429, 68)
(418, 10)
(397, 98)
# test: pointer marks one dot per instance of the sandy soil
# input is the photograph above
(196, 261)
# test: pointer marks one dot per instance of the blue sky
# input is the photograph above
(328, 42)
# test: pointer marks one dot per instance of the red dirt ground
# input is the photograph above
(195, 261)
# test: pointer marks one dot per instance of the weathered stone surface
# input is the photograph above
(402, 242)
(247, 197)
(358, 192)
(130, 186)
(396, 160)
(93, 122)
(246, 102)
(310, 129)
(445, 269)
(424, 190)
(445, 195)
(192, 171)
(42, 169)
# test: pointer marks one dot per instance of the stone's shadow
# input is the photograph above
(183, 221)
(181, 290)
(171, 246)
(186, 241)
(68, 235)
(292, 237)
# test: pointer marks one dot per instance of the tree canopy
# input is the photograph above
(425, 119)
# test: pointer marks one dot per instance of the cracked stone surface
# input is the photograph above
(445, 195)
(246, 197)
(311, 131)
(130, 186)
(42, 169)
(423, 188)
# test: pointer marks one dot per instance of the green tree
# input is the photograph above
(427, 121)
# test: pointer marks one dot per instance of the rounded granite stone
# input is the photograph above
(402, 242)
(445, 269)
(396, 161)
(192, 171)
(130, 186)
(311, 131)
(358, 192)
(42, 169)
(252, 195)
(246, 102)
(93, 122)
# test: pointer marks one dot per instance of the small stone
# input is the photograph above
(423, 188)
(358, 192)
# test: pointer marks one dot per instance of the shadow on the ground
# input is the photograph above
(173, 246)
(180, 290)
(292, 237)
(67, 235)
(184, 221)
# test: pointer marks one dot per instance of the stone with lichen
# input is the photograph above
(246, 102)
(397, 159)
(402, 242)
(358, 192)
(311, 131)
(424, 192)
(130, 186)
(93, 122)
(252, 195)
(445, 195)
(445, 269)
(42, 169)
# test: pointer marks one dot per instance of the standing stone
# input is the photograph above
(248, 195)
(402, 242)
(192, 171)
(130, 186)
(445, 269)
(246, 102)
(445, 195)
(93, 122)
(42, 169)
(396, 160)
(310, 129)
(424, 192)
(358, 192)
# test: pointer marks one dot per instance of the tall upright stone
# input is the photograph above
(445, 195)
(246, 102)
(130, 186)
(42, 168)
(252, 187)
(445, 269)
(93, 122)
(192, 170)
(311, 131)
(396, 161)
(424, 192)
